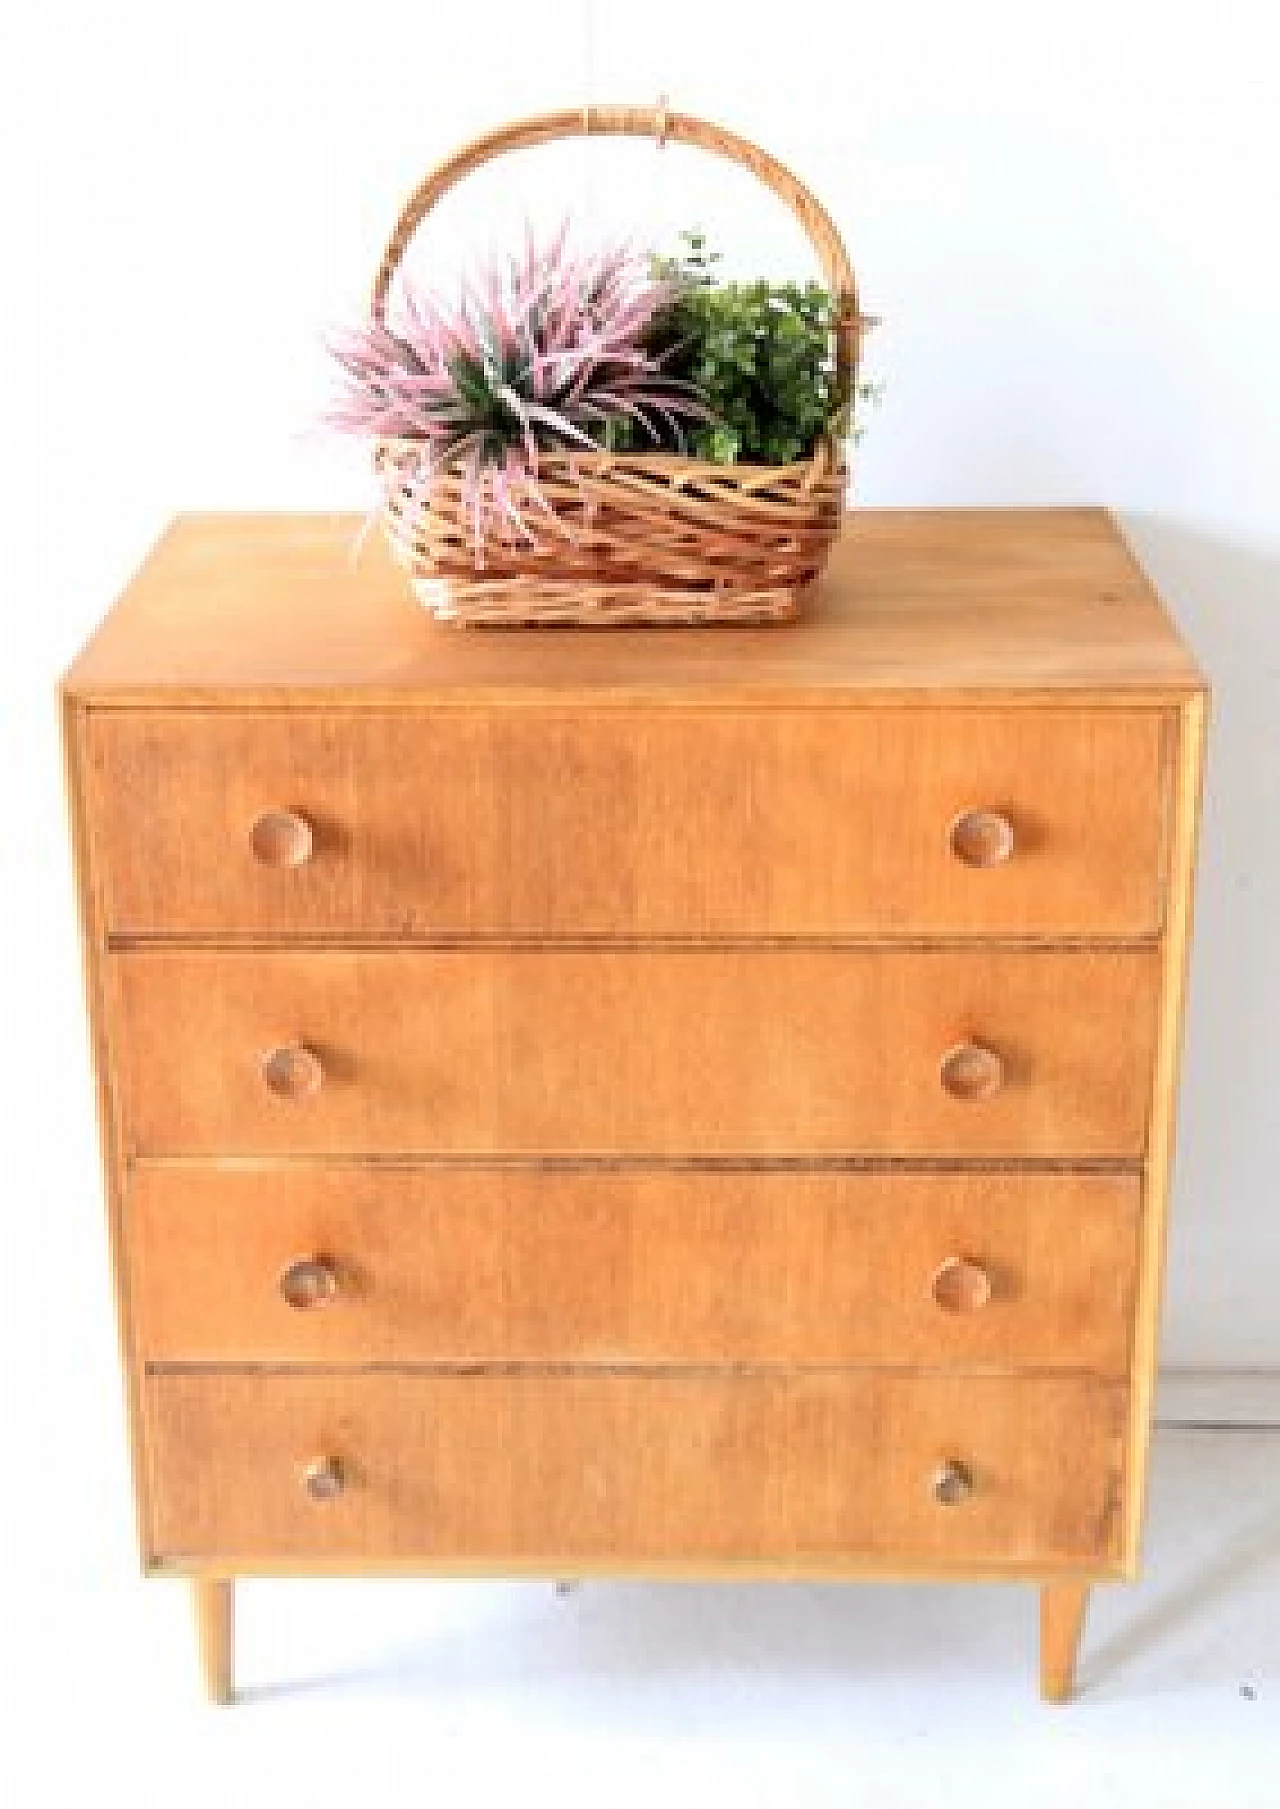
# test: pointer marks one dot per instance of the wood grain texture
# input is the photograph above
(626, 1266)
(762, 1051)
(92, 930)
(1062, 1611)
(1176, 953)
(213, 1606)
(637, 822)
(922, 605)
(697, 1466)
(855, 1567)
(721, 1349)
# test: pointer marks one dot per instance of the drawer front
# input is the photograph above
(342, 1265)
(636, 822)
(768, 1051)
(485, 1468)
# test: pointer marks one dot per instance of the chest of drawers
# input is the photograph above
(680, 1102)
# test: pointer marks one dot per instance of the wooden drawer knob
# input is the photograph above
(324, 1478)
(951, 1483)
(292, 1071)
(971, 1072)
(281, 838)
(308, 1283)
(959, 1286)
(981, 838)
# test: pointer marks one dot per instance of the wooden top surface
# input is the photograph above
(915, 604)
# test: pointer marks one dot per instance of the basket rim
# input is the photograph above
(828, 454)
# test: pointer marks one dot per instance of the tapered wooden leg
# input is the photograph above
(1062, 1607)
(213, 1600)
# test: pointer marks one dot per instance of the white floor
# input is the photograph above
(387, 1693)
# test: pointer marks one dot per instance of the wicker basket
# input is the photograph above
(633, 537)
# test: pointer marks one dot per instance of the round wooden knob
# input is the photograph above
(324, 1478)
(971, 1072)
(981, 838)
(959, 1286)
(951, 1483)
(292, 1071)
(307, 1283)
(281, 838)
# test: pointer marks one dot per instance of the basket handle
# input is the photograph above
(647, 122)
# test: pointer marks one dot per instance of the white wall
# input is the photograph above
(1065, 215)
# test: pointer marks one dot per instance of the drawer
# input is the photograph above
(536, 1468)
(654, 822)
(337, 1264)
(526, 1051)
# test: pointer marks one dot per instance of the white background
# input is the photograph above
(1065, 215)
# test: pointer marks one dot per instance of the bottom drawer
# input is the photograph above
(538, 1468)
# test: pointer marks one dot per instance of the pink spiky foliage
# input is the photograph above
(548, 352)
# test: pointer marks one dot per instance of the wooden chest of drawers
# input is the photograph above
(667, 1102)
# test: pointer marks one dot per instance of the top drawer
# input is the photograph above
(628, 822)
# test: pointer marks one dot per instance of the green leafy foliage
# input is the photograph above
(760, 354)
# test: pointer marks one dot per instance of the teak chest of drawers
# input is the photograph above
(660, 1101)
